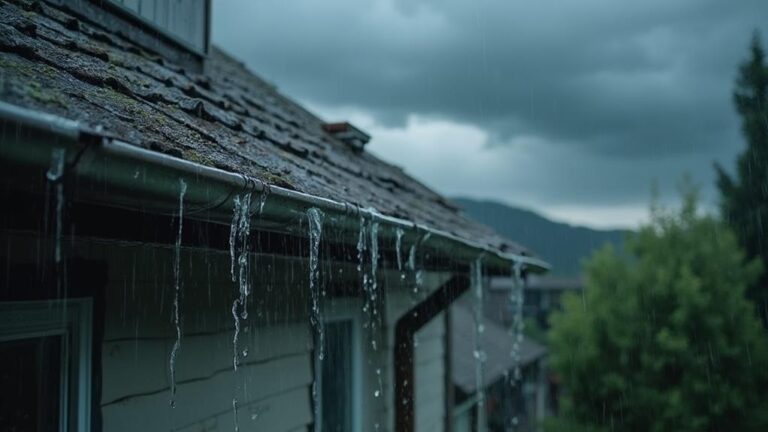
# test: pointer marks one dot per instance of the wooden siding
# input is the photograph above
(273, 383)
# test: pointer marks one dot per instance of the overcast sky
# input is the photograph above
(570, 108)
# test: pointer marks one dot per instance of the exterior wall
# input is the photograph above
(276, 373)
(429, 361)
(139, 336)
(273, 384)
(430, 377)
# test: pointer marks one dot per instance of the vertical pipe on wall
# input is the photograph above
(405, 329)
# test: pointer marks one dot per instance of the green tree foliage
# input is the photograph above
(662, 338)
(745, 198)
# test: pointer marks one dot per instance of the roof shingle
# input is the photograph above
(227, 117)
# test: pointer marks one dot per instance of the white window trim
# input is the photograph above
(345, 310)
(73, 318)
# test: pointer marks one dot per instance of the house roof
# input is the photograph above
(227, 117)
(538, 283)
(496, 343)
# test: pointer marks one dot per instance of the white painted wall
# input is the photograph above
(273, 383)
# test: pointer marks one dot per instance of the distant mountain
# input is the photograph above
(562, 245)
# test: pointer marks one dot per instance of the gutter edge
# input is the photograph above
(71, 129)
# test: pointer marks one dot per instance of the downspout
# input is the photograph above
(405, 329)
(450, 393)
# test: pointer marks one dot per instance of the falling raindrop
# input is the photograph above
(374, 285)
(380, 389)
(361, 246)
(234, 410)
(416, 273)
(411, 267)
(368, 240)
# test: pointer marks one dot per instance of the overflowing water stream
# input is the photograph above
(239, 269)
(55, 176)
(239, 236)
(177, 292)
(315, 218)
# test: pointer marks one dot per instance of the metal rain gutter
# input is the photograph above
(123, 175)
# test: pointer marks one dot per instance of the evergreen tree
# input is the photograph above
(744, 202)
(662, 338)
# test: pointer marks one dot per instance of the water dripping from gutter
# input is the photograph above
(55, 175)
(411, 267)
(517, 299)
(479, 352)
(361, 246)
(239, 269)
(176, 293)
(367, 267)
(374, 283)
(239, 235)
(375, 299)
(399, 245)
(417, 274)
(315, 218)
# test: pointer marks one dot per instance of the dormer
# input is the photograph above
(177, 30)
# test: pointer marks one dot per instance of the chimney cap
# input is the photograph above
(348, 134)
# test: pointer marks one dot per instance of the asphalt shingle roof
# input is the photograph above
(227, 117)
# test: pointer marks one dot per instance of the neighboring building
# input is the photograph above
(542, 296)
(184, 248)
(510, 404)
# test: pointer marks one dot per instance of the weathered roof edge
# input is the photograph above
(208, 185)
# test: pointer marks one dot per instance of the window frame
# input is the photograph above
(344, 310)
(71, 319)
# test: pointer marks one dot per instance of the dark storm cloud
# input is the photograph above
(615, 79)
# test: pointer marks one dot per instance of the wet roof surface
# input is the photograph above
(226, 118)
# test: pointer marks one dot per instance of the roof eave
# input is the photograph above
(134, 177)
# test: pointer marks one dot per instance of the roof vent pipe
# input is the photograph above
(348, 134)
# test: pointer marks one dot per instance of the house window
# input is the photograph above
(45, 357)
(178, 30)
(340, 378)
(182, 20)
